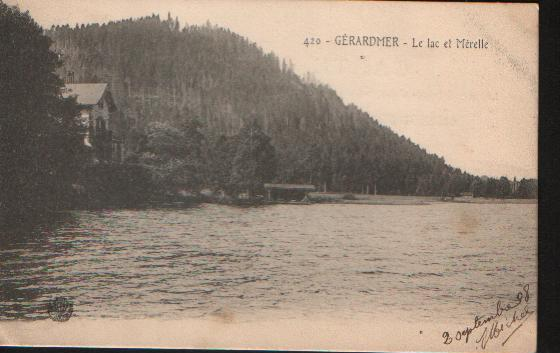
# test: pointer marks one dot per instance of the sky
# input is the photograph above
(478, 108)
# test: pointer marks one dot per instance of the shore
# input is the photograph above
(341, 198)
(311, 198)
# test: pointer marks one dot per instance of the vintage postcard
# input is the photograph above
(284, 175)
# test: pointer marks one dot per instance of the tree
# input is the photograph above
(479, 187)
(528, 189)
(254, 162)
(192, 150)
(221, 154)
(174, 154)
(40, 139)
(504, 188)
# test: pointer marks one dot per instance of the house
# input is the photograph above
(100, 116)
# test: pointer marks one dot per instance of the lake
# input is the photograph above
(440, 261)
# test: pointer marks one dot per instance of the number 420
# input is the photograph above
(311, 41)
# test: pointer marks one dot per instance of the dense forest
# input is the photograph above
(205, 107)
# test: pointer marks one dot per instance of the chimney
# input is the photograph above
(69, 77)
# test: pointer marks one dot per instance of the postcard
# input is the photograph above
(281, 175)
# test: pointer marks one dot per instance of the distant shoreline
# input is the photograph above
(346, 198)
(316, 198)
(313, 198)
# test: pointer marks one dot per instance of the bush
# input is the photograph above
(116, 185)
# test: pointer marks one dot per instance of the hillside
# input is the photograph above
(161, 72)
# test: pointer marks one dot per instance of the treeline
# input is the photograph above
(180, 158)
(505, 188)
(161, 72)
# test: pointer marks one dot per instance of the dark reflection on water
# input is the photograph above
(449, 259)
(26, 251)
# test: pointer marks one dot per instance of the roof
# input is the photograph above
(87, 93)
(290, 186)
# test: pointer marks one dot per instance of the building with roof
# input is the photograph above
(100, 116)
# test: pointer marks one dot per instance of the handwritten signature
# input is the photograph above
(507, 316)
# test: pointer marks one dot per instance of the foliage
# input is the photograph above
(161, 73)
(40, 143)
(504, 188)
(180, 159)
(254, 162)
(175, 155)
(107, 185)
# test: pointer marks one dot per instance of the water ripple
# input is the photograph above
(218, 260)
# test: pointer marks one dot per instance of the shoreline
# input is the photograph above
(315, 198)
(339, 198)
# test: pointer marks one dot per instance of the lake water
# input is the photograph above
(441, 260)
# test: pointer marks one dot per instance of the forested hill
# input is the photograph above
(162, 72)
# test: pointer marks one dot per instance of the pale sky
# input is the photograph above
(476, 108)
